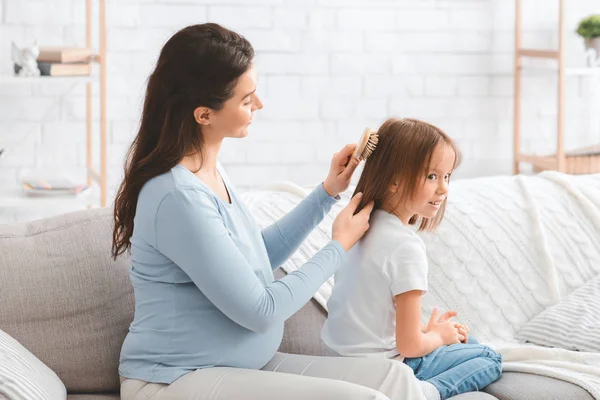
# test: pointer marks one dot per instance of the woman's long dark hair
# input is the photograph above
(198, 66)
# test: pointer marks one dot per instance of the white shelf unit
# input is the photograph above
(46, 79)
(14, 196)
(585, 160)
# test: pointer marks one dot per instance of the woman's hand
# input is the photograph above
(341, 170)
(349, 228)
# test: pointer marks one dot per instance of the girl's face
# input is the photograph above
(235, 117)
(433, 188)
(430, 195)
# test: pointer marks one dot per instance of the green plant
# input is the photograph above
(589, 27)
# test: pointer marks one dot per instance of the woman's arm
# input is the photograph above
(284, 236)
(190, 231)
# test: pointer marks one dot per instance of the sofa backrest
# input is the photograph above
(64, 298)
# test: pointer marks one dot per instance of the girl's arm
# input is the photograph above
(406, 270)
(411, 339)
(190, 231)
(284, 236)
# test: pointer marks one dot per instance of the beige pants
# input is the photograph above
(290, 377)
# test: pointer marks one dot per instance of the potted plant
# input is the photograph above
(589, 30)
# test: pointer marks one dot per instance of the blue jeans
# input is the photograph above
(458, 368)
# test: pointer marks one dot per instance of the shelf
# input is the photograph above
(46, 79)
(570, 71)
(537, 53)
(15, 197)
(590, 71)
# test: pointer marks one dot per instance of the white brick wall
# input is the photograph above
(327, 68)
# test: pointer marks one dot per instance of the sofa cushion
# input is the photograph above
(23, 376)
(553, 327)
(473, 396)
(63, 297)
(520, 386)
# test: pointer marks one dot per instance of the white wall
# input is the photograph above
(327, 69)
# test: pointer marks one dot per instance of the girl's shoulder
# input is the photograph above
(388, 238)
(389, 228)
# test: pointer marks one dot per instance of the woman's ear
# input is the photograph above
(202, 115)
(393, 187)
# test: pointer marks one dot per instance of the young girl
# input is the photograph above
(375, 307)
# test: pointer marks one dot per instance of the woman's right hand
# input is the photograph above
(445, 328)
(349, 228)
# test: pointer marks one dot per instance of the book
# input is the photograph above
(58, 186)
(59, 69)
(29, 191)
(64, 54)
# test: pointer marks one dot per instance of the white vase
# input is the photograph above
(592, 46)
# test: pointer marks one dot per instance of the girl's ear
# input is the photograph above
(394, 187)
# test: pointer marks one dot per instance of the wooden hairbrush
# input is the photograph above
(366, 145)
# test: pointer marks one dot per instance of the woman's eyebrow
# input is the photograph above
(248, 94)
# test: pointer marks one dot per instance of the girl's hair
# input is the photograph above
(198, 66)
(403, 155)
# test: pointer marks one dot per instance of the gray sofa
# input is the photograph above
(70, 304)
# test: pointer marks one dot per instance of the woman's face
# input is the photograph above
(235, 117)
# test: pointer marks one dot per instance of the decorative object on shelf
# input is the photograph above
(25, 59)
(589, 30)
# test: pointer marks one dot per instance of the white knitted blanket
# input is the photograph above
(508, 248)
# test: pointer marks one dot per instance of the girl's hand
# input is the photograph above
(341, 170)
(464, 331)
(349, 228)
(444, 327)
(443, 318)
(447, 315)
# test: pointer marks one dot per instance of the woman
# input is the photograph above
(209, 315)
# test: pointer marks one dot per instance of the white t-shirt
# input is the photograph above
(390, 259)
